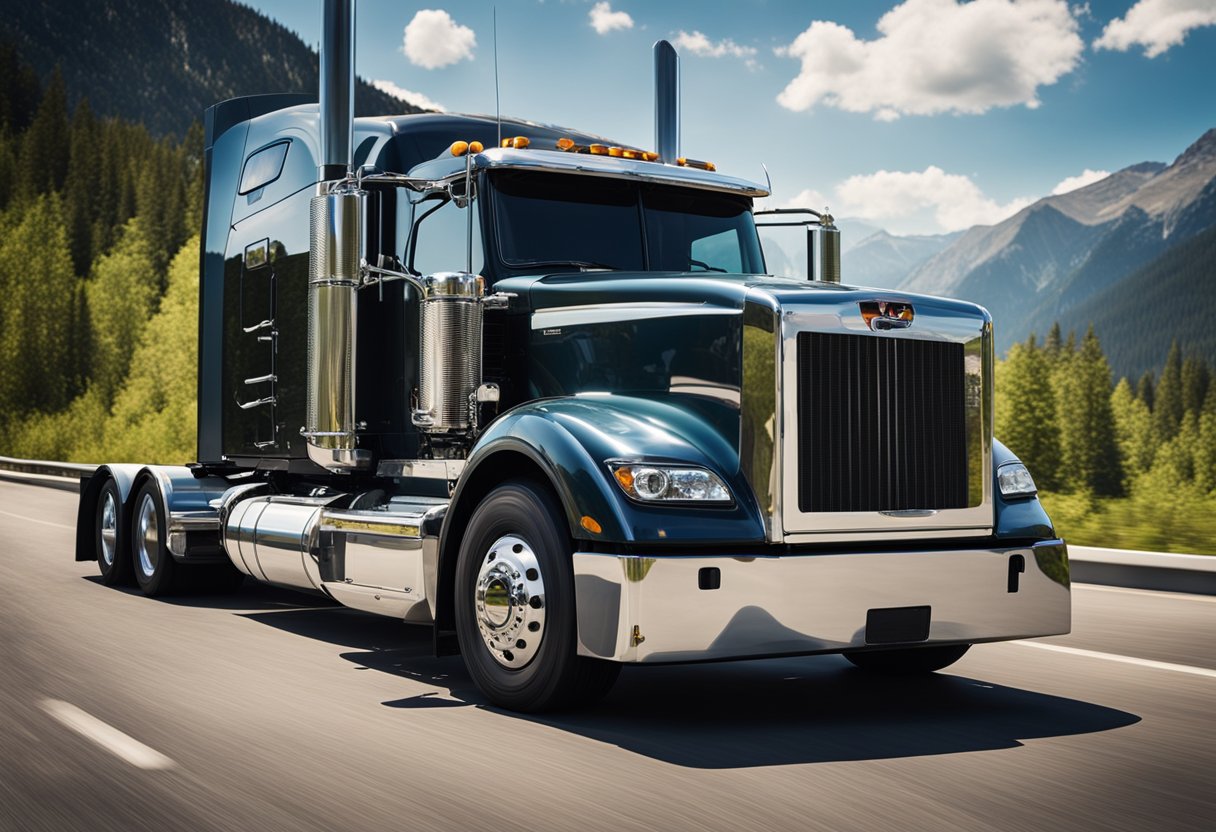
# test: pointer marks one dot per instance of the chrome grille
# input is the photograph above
(881, 424)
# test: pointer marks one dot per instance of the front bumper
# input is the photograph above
(673, 608)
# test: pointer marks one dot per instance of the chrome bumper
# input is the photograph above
(655, 609)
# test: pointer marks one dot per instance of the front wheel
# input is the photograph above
(515, 617)
(908, 660)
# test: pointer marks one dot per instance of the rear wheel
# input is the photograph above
(515, 616)
(908, 660)
(116, 568)
(155, 569)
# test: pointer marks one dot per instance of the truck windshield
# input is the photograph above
(571, 221)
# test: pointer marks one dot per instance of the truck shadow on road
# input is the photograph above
(728, 715)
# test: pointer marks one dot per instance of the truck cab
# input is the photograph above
(537, 391)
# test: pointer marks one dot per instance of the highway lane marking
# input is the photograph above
(1115, 657)
(107, 736)
(26, 519)
(1173, 596)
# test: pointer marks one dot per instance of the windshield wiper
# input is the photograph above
(584, 265)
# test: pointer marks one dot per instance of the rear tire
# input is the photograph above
(515, 616)
(115, 566)
(154, 567)
(909, 660)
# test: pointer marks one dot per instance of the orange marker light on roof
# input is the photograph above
(506, 143)
(650, 156)
(520, 142)
(631, 154)
(459, 148)
(616, 151)
(565, 143)
(599, 149)
(476, 147)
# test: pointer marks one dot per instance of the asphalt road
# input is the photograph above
(269, 710)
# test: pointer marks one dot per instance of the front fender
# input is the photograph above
(571, 438)
(1023, 517)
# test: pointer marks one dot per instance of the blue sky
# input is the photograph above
(920, 116)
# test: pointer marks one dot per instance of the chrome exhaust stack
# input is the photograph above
(336, 253)
(666, 102)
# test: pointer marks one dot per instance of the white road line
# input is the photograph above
(1115, 657)
(108, 737)
(26, 519)
(1173, 596)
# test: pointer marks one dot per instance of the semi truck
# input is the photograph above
(536, 391)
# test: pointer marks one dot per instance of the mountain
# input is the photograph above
(163, 62)
(885, 260)
(1170, 298)
(1048, 261)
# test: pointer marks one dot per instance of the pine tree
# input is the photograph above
(82, 186)
(1144, 389)
(42, 164)
(1089, 452)
(1054, 342)
(1168, 409)
(1205, 446)
(1026, 420)
(1195, 380)
(1133, 432)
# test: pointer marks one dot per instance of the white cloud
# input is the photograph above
(433, 40)
(409, 96)
(604, 19)
(1156, 25)
(936, 56)
(1085, 177)
(699, 44)
(911, 202)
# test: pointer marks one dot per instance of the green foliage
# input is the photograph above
(38, 293)
(122, 293)
(1087, 428)
(1028, 421)
(1136, 469)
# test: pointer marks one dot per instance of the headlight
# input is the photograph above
(669, 483)
(1015, 480)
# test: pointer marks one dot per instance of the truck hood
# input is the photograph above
(730, 291)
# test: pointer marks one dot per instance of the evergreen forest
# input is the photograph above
(99, 256)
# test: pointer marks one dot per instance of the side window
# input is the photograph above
(263, 167)
(718, 251)
(441, 239)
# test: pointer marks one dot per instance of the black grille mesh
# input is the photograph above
(881, 424)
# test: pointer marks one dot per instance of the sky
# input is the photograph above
(919, 117)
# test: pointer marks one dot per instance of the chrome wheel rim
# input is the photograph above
(147, 539)
(509, 602)
(109, 529)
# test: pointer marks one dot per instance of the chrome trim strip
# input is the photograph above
(430, 469)
(652, 609)
(610, 313)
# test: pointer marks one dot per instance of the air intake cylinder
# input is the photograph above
(333, 280)
(823, 251)
(450, 366)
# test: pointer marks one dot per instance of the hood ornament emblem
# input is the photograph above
(882, 315)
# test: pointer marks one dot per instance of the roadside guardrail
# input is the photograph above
(1089, 564)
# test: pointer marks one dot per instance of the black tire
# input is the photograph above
(115, 566)
(555, 676)
(908, 660)
(154, 568)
